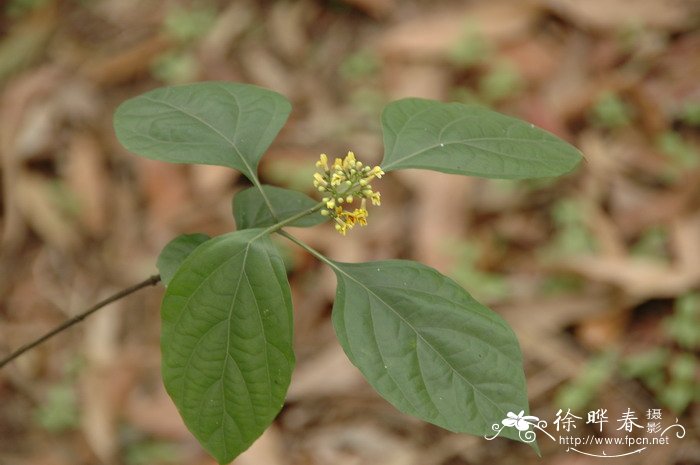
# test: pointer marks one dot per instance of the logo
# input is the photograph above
(630, 433)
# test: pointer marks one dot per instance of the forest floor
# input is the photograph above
(598, 271)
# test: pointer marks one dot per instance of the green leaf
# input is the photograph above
(251, 211)
(428, 347)
(227, 340)
(212, 123)
(175, 252)
(470, 140)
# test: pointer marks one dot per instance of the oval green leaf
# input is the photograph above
(470, 140)
(428, 347)
(212, 123)
(227, 340)
(250, 210)
(175, 252)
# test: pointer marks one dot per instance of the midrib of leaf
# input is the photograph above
(213, 129)
(455, 303)
(398, 385)
(467, 143)
(262, 330)
(421, 337)
(228, 355)
(228, 342)
(254, 175)
(388, 166)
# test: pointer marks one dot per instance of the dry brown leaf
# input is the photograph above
(328, 374)
(37, 201)
(674, 15)
(440, 209)
(212, 182)
(17, 100)
(673, 83)
(89, 181)
(127, 64)
(267, 449)
(165, 187)
(602, 333)
(37, 136)
(27, 38)
(569, 91)
(536, 59)
(264, 69)
(155, 414)
(230, 24)
(639, 278)
(375, 8)
(287, 25)
(98, 403)
(685, 245)
(361, 444)
(433, 36)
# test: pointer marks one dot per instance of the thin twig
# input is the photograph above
(151, 281)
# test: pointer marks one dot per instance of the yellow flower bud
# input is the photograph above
(354, 177)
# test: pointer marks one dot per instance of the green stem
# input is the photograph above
(280, 224)
(309, 249)
(256, 183)
(277, 226)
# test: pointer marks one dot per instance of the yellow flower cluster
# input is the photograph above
(342, 183)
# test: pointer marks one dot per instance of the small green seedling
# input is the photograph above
(419, 339)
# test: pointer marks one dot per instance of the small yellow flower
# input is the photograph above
(375, 172)
(361, 215)
(349, 219)
(341, 226)
(349, 161)
(323, 162)
(318, 178)
(337, 178)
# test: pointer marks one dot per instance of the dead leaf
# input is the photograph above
(267, 449)
(375, 8)
(329, 373)
(126, 64)
(87, 178)
(432, 37)
(673, 15)
(37, 200)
